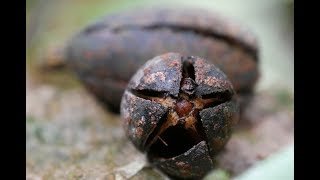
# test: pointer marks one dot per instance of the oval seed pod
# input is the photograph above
(180, 111)
(107, 53)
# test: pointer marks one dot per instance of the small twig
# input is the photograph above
(163, 141)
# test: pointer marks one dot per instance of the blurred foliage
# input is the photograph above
(285, 98)
(279, 166)
(218, 174)
(52, 23)
(49, 24)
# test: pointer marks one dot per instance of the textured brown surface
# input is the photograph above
(106, 54)
(180, 108)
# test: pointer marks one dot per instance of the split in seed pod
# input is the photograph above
(180, 110)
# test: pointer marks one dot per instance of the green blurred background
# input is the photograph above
(51, 23)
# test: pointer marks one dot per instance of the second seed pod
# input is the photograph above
(107, 53)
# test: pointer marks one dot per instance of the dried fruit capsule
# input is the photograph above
(106, 54)
(180, 111)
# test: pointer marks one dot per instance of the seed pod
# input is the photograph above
(180, 111)
(107, 53)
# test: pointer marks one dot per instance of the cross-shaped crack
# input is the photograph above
(180, 128)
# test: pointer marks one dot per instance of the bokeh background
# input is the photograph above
(70, 136)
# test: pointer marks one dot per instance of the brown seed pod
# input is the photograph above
(107, 53)
(180, 111)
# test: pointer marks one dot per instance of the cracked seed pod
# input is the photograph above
(107, 53)
(180, 111)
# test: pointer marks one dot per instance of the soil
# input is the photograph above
(69, 135)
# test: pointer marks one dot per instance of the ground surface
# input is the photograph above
(70, 136)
